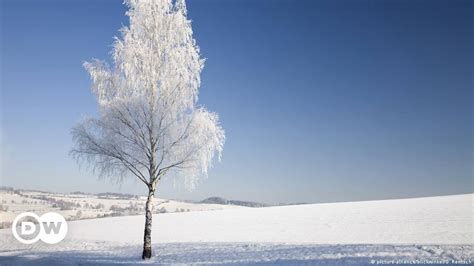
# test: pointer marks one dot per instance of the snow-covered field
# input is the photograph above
(77, 206)
(434, 229)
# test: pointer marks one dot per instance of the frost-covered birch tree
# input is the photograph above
(149, 125)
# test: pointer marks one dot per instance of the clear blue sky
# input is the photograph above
(321, 100)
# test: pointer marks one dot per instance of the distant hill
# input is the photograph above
(219, 200)
(115, 195)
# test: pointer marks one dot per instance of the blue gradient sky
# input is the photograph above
(321, 100)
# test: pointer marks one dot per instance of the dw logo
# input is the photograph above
(28, 228)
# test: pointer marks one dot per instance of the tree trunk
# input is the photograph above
(148, 223)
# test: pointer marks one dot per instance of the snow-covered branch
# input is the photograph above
(150, 124)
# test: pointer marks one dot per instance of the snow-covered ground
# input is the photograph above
(434, 229)
(77, 206)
